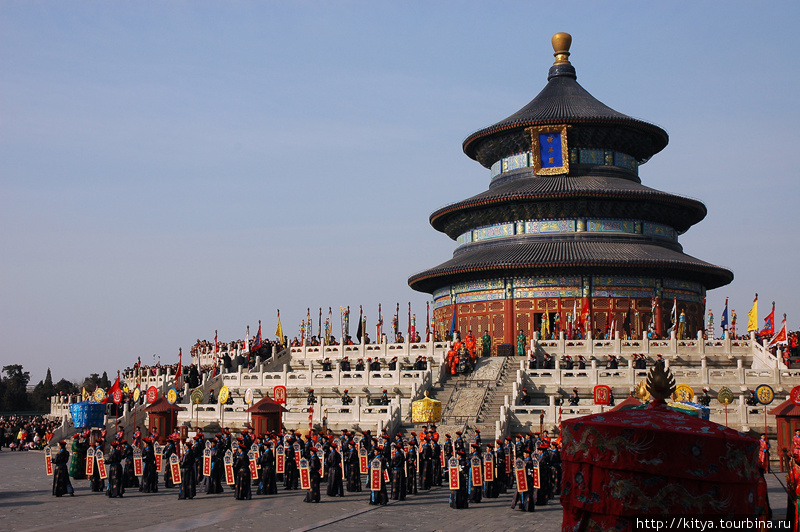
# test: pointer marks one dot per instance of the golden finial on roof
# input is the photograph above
(561, 43)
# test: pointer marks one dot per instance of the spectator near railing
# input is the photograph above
(22, 433)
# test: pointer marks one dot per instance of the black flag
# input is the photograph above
(360, 324)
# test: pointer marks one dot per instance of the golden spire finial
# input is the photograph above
(561, 43)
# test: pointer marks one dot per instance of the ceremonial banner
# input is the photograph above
(89, 462)
(362, 460)
(452, 474)
(175, 468)
(101, 465)
(254, 448)
(280, 457)
(48, 461)
(224, 393)
(137, 461)
(522, 479)
(172, 395)
(477, 479)
(228, 461)
(116, 396)
(321, 456)
(443, 458)
(536, 477)
(488, 466)
(159, 451)
(386, 476)
(206, 462)
(375, 475)
(253, 465)
(305, 476)
(297, 455)
(152, 394)
(99, 395)
(602, 395)
(279, 394)
(684, 392)
(137, 393)
(508, 464)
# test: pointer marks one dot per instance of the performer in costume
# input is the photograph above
(268, 482)
(475, 493)
(241, 471)
(217, 468)
(169, 450)
(77, 464)
(333, 468)
(379, 497)
(398, 473)
(544, 493)
(526, 499)
(521, 341)
(500, 480)
(411, 469)
(425, 464)
(129, 477)
(149, 473)
(763, 453)
(458, 497)
(486, 344)
(188, 486)
(554, 459)
(96, 483)
(116, 487)
(61, 483)
(313, 494)
(353, 468)
(490, 487)
(291, 476)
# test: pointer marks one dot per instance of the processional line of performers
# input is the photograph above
(348, 463)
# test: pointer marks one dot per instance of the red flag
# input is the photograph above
(214, 373)
(769, 323)
(585, 313)
(257, 340)
(179, 373)
(779, 338)
(114, 388)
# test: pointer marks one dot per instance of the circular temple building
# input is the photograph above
(566, 238)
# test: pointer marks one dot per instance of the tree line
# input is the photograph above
(15, 397)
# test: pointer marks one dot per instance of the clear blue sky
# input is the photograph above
(172, 168)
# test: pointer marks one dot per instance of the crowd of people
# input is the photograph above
(386, 468)
(26, 433)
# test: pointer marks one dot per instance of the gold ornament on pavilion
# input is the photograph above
(426, 410)
(641, 392)
(684, 392)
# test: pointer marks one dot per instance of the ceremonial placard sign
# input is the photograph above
(208, 444)
(488, 466)
(101, 465)
(228, 462)
(137, 461)
(137, 394)
(152, 394)
(363, 461)
(443, 458)
(305, 475)
(254, 448)
(477, 468)
(725, 396)
(321, 456)
(248, 396)
(224, 393)
(297, 455)
(386, 475)
(279, 394)
(116, 396)
(99, 395)
(452, 474)
(206, 462)
(48, 461)
(375, 475)
(159, 452)
(280, 457)
(549, 149)
(172, 395)
(197, 396)
(684, 392)
(253, 466)
(765, 394)
(795, 395)
(508, 464)
(357, 439)
(175, 468)
(602, 395)
(90, 462)
(522, 478)
(536, 476)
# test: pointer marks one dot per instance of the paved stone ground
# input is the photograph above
(26, 504)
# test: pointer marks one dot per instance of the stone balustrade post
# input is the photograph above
(704, 370)
(740, 370)
(594, 378)
(701, 343)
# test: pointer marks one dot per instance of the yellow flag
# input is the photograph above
(752, 316)
(279, 329)
(84, 394)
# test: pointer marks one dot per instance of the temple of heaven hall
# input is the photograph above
(567, 239)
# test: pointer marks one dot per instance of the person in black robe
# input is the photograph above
(96, 483)
(217, 468)
(425, 465)
(313, 494)
(411, 469)
(291, 475)
(475, 492)
(378, 497)
(353, 468)
(61, 483)
(149, 473)
(545, 487)
(458, 498)
(490, 487)
(129, 477)
(241, 472)
(398, 474)
(526, 499)
(116, 487)
(188, 487)
(501, 482)
(169, 450)
(333, 468)
(267, 483)
(436, 462)
(555, 467)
